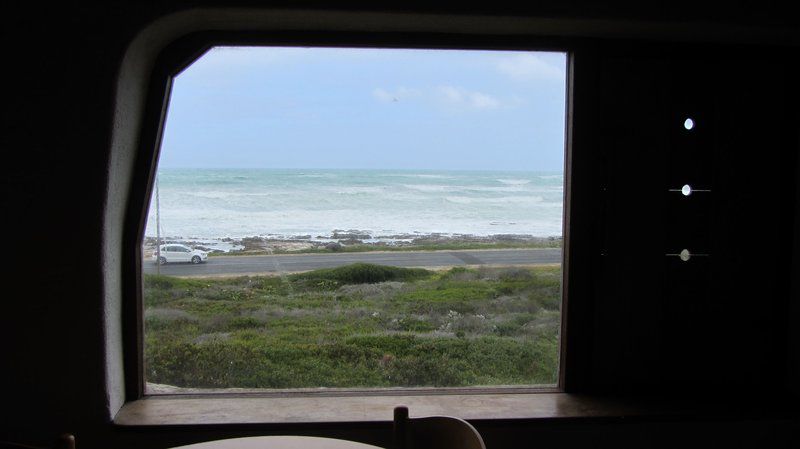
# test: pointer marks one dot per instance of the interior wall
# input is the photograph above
(695, 322)
(793, 317)
(61, 357)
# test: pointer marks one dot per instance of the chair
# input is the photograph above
(65, 441)
(434, 432)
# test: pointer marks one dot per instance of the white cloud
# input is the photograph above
(483, 101)
(455, 96)
(528, 66)
(448, 96)
(401, 93)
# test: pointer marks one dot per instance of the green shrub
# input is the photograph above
(418, 371)
(516, 274)
(411, 324)
(514, 324)
(460, 274)
(549, 298)
(245, 322)
(364, 273)
(158, 281)
(169, 320)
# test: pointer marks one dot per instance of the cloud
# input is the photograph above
(463, 98)
(401, 93)
(448, 96)
(528, 66)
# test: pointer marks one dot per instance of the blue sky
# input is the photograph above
(266, 107)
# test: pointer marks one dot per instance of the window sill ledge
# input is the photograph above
(228, 410)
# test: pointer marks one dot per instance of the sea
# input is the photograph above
(214, 204)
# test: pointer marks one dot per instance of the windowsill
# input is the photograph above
(221, 410)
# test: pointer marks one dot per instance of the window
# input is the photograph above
(623, 95)
(357, 218)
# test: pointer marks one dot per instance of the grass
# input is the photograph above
(360, 325)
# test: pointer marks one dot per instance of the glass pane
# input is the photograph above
(373, 218)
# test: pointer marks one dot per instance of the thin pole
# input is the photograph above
(158, 230)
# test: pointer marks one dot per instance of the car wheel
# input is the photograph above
(162, 260)
(196, 259)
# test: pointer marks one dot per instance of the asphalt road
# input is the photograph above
(303, 262)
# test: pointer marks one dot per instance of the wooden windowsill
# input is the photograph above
(249, 409)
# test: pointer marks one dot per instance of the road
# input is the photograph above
(303, 262)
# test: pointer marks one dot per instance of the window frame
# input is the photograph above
(203, 44)
(180, 52)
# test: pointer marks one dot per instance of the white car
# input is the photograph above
(179, 253)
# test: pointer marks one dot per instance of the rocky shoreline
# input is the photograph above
(340, 240)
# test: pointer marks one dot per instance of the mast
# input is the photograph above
(158, 230)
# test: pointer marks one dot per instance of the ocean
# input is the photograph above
(211, 204)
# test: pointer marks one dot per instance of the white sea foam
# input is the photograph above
(223, 195)
(433, 187)
(516, 188)
(421, 175)
(495, 200)
(515, 181)
(238, 203)
(353, 190)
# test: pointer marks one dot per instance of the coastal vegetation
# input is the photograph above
(355, 326)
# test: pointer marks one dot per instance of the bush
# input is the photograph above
(516, 274)
(245, 322)
(159, 281)
(365, 273)
(460, 274)
(549, 298)
(411, 324)
(418, 371)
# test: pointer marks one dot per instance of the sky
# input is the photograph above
(339, 108)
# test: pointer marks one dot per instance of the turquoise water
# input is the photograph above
(218, 203)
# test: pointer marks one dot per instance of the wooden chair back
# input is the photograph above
(434, 432)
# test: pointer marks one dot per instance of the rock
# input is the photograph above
(333, 246)
(253, 244)
(350, 234)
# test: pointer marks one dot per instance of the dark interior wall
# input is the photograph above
(57, 110)
(793, 353)
(58, 126)
(700, 325)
